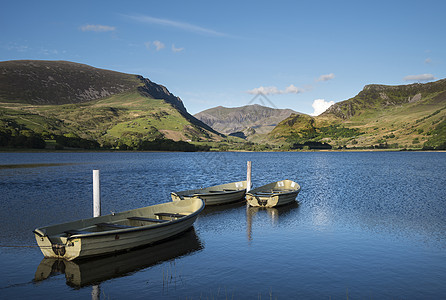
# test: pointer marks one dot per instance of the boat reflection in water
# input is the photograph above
(275, 214)
(94, 271)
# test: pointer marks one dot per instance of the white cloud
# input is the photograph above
(175, 50)
(420, 77)
(176, 24)
(293, 90)
(267, 90)
(97, 28)
(272, 90)
(320, 105)
(326, 77)
(158, 45)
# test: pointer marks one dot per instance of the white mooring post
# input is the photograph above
(96, 194)
(248, 176)
(96, 289)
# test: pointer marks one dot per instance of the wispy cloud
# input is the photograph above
(15, 47)
(427, 60)
(326, 77)
(97, 28)
(320, 105)
(176, 24)
(158, 45)
(420, 77)
(272, 90)
(175, 50)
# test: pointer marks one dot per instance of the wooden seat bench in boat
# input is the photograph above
(147, 219)
(170, 215)
(113, 226)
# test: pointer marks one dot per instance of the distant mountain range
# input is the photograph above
(60, 103)
(380, 116)
(60, 98)
(243, 121)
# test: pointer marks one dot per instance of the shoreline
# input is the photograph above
(76, 150)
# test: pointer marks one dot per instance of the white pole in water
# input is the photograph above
(96, 194)
(96, 289)
(248, 176)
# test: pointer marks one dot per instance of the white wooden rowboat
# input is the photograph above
(215, 195)
(273, 194)
(117, 232)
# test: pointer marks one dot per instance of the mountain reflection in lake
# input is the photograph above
(365, 225)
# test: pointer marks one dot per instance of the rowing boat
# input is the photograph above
(215, 195)
(273, 194)
(118, 231)
(83, 272)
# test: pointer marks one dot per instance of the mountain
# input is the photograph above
(380, 116)
(60, 98)
(243, 121)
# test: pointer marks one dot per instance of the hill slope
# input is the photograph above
(248, 119)
(406, 116)
(65, 98)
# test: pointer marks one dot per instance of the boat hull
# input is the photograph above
(271, 201)
(55, 242)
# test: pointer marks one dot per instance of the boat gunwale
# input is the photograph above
(190, 193)
(255, 190)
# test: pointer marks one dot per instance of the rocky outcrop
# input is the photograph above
(156, 91)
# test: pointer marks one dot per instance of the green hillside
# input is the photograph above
(113, 110)
(408, 116)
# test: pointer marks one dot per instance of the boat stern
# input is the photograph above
(175, 196)
(44, 244)
(57, 247)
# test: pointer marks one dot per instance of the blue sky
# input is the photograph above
(300, 54)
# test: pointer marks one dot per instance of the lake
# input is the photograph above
(367, 225)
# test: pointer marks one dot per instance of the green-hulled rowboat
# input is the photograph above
(273, 194)
(215, 195)
(119, 231)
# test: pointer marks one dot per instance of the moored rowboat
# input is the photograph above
(215, 195)
(119, 231)
(273, 194)
(82, 272)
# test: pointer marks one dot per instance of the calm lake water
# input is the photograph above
(367, 225)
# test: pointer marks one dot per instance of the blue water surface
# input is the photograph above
(366, 225)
